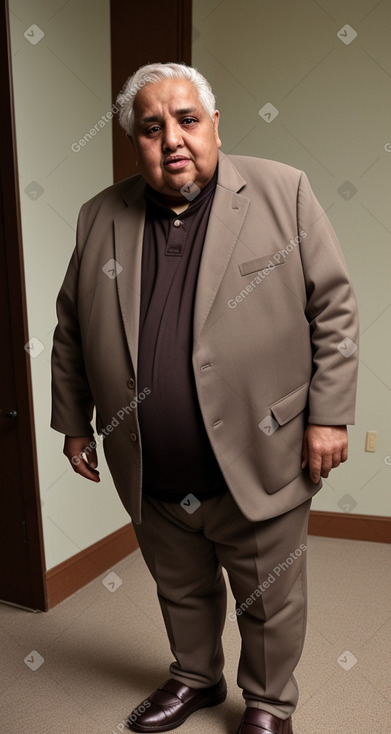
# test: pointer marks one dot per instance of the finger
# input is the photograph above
(315, 466)
(93, 459)
(304, 453)
(79, 463)
(337, 458)
(83, 468)
(327, 465)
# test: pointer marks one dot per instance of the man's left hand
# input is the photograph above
(324, 448)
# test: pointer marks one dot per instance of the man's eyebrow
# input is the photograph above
(151, 118)
(181, 111)
(186, 111)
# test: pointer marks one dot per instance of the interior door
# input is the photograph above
(22, 572)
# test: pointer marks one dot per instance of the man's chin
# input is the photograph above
(178, 182)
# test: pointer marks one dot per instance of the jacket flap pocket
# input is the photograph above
(290, 405)
(261, 263)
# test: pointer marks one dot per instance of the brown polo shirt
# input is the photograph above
(177, 456)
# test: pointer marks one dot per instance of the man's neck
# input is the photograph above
(176, 204)
(179, 208)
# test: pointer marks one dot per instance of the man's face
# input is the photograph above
(175, 140)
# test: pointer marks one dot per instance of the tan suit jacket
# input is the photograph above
(275, 332)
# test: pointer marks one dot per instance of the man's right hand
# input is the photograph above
(81, 452)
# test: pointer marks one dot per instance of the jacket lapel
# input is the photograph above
(225, 222)
(128, 247)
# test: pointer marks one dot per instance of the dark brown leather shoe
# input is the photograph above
(256, 721)
(171, 704)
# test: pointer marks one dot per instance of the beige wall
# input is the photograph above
(334, 109)
(62, 89)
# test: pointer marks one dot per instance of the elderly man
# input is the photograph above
(207, 314)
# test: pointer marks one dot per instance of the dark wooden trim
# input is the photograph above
(74, 573)
(153, 32)
(353, 527)
(12, 247)
(185, 30)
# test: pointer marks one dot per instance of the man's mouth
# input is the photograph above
(174, 162)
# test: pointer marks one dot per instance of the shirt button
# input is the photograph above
(133, 436)
(131, 383)
(177, 222)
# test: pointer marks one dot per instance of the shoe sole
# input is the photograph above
(208, 704)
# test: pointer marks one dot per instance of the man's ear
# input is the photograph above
(216, 120)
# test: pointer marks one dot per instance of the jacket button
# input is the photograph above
(133, 436)
(131, 383)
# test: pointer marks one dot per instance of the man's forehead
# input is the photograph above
(179, 95)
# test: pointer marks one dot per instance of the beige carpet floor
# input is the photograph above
(82, 667)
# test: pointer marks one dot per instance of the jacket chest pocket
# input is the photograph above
(268, 262)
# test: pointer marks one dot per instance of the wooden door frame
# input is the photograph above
(12, 246)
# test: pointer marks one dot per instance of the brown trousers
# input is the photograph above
(185, 549)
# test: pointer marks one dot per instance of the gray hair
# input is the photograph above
(153, 73)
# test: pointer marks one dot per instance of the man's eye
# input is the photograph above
(188, 121)
(153, 129)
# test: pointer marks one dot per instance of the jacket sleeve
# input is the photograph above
(72, 401)
(332, 314)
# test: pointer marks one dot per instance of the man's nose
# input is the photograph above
(172, 136)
